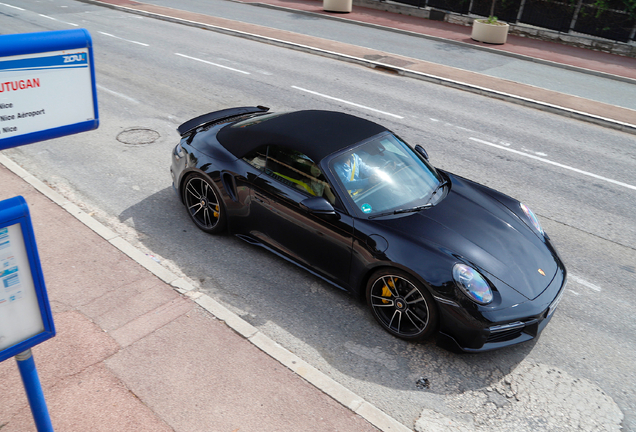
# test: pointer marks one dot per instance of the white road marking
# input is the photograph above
(589, 174)
(260, 71)
(127, 40)
(347, 102)
(55, 19)
(532, 151)
(583, 282)
(11, 6)
(117, 94)
(573, 292)
(213, 64)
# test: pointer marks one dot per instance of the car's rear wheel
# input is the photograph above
(203, 202)
(401, 305)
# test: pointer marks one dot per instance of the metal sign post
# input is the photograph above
(47, 90)
(34, 392)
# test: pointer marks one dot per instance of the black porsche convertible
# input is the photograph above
(348, 200)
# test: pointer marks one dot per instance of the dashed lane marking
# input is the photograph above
(347, 102)
(55, 19)
(123, 96)
(11, 6)
(213, 64)
(547, 161)
(583, 282)
(127, 40)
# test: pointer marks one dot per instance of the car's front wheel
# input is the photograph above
(401, 305)
(203, 201)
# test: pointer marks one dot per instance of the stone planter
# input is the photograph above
(495, 33)
(337, 5)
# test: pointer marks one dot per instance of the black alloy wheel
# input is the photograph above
(401, 305)
(205, 208)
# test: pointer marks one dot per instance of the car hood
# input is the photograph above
(472, 225)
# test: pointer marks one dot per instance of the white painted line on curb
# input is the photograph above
(347, 102)
(127, 40)
(182, 286)
(43, 188)
(13, 167)
(547, 161)
(90, 222)
(213, 64)
(144, 260)
(235, 322)
(380, 420)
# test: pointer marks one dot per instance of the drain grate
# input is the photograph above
(138, 136)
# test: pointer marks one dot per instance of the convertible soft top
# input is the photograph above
(314, 133)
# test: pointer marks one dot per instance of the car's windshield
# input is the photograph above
(384, 174)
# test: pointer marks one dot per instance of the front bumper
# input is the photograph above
(497, 329)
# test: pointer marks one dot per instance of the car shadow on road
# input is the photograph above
(322, 324)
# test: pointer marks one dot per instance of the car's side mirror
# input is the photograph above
(420, 150)
(318, 206)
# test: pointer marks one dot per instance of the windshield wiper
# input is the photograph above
(439, 186)
(412, 209)
(404, 210)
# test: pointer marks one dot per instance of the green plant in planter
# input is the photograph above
(492, 19)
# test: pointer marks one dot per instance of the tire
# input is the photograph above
(203, 203)
(401, 305)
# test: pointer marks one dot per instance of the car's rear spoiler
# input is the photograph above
(215, 116)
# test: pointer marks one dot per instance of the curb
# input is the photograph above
(313, 376)
(555, 109)
(362, 3)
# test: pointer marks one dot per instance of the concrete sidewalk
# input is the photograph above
(558, 56)
(136, 350)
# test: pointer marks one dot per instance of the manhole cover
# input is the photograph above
(138, 136)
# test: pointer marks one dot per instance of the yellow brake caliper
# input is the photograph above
(386, 292)
(216, 211)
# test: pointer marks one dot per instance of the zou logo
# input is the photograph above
(73, 58)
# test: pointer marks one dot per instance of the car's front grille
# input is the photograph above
(506, 332)
(504, 335)
(510, 331)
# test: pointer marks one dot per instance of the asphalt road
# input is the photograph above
(579, 178)
(494, 64)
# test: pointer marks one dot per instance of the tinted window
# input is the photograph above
(292, 168)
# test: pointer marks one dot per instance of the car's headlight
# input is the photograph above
(532, 218)
(472, 284)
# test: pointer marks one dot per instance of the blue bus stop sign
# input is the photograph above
(47, 86)
(25, 313)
